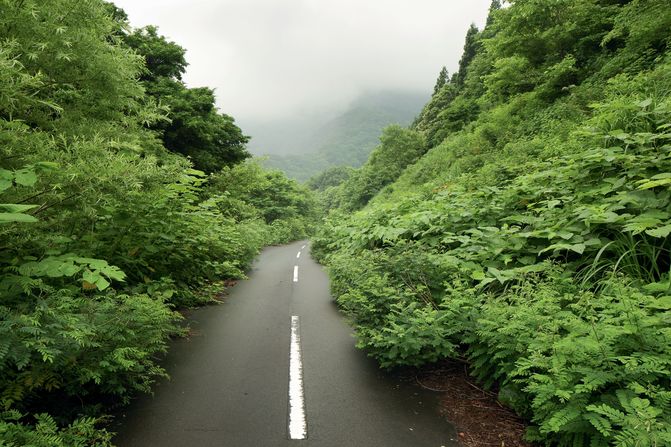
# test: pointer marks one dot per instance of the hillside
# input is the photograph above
(521, 225)
(348, 139)
(125, 196)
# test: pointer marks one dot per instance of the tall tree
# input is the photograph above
(443, 77)
(196, 129)
(471, 46)
(493, 7)
(164, 59)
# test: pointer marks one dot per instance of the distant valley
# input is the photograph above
(304, 147)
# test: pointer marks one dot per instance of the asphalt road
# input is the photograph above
(230, 380)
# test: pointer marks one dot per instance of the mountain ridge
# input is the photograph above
(348, 138)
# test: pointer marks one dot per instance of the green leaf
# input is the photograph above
(647, 220)
(15, 208)
(16, 217)
(657, 180)
(578, 248)
(25, 177)
(657, 287)
(534, 268)
(566, 235)
(645, 103)
(90, 277)
(664, 302)
(47, 165)
(6, 179)
(102, 283)
(502, 275)
(659, 232)
(600, 423)
(478, 275)
(195, 173)
(620, 134)
(69, 269)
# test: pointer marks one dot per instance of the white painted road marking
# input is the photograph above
(298, 255)
(295, 273)
(298, 426)
(302, 247)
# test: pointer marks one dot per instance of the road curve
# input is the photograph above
(230, 381)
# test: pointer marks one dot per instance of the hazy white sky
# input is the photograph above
(270, 58)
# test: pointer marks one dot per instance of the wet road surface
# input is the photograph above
(230, 381)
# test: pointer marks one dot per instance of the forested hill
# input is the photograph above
(125, 194)
(348, 139)
(521, 224)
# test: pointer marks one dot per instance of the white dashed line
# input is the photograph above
(298, 255)
(298, 426)
(302, 247)
(295, 273)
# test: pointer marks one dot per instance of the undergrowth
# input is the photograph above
(531, 240)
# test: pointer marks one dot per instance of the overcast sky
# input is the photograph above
(270, 58)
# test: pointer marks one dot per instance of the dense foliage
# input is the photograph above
(194, 127)
(398, 148)
(531, 240)
(104, 228)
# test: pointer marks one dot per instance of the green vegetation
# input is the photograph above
(105, 226)
(522, 223)
(349, 139)
(193, 127)
(398, 148)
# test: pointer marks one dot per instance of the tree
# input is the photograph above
(399, 148)
(163, 59)
(443, 77)
(330, 177)
(253, 191)
(493, 7)
(68, 46)
(471, 47)
(196, 129)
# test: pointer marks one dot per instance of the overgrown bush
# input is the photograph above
(84, 432)
(103, 230)
(588, 367)
(532, 239)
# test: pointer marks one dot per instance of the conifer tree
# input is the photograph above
(471, 46)
(493, 7)
(443, 77)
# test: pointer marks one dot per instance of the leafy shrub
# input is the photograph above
(532, 239)
(589, 367)
(46, 433)
(78, 345)
(103, 230)
(412, 334)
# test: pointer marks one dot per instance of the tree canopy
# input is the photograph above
(105, 226)
(194, 127)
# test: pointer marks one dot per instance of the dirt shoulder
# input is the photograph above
(481, 421)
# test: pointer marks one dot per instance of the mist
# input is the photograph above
(307, 60)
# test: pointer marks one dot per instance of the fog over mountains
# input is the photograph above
(304, 145)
